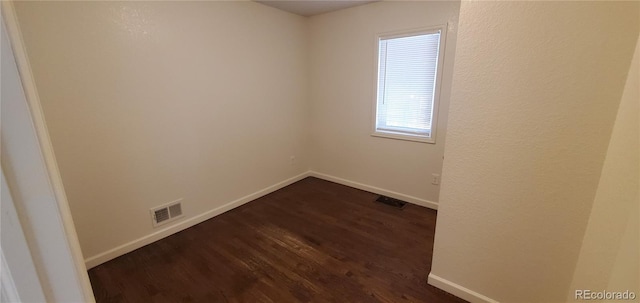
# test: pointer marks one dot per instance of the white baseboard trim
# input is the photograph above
(458, 290)
(140, 242)
(100, 258)
(377, 190)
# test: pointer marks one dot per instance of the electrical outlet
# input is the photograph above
(435, 179)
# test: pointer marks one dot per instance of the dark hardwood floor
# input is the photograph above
(313, 241)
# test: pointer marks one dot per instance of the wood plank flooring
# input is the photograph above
(313, 241)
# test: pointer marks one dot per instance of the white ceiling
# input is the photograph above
(312, 7)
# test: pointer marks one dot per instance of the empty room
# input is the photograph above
(320, 151)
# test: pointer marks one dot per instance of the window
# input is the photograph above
(409, 68)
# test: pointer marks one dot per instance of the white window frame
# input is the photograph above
(438, 83)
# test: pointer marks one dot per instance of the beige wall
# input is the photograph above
(148, 102)
(624, 273)
(343, 71)
(536, 89)
(609, 256)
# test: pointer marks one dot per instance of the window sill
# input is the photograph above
(405, 137)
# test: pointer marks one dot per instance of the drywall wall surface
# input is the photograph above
(610, 247)
(536, 89)
(149, 102)
(343, 84)
(624, 274)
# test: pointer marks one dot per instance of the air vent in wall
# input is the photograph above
(175, 210)
(161, 215)
(166, 213)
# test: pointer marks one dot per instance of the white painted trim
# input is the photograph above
(49, 161)
(458, 290)
(160, 234)
(444, 29)
(23, 284)
(140, 242)
(377, 190)
(8, 291)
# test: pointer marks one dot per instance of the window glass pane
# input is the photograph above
(406, 83)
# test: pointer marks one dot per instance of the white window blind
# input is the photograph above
(407, 73)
